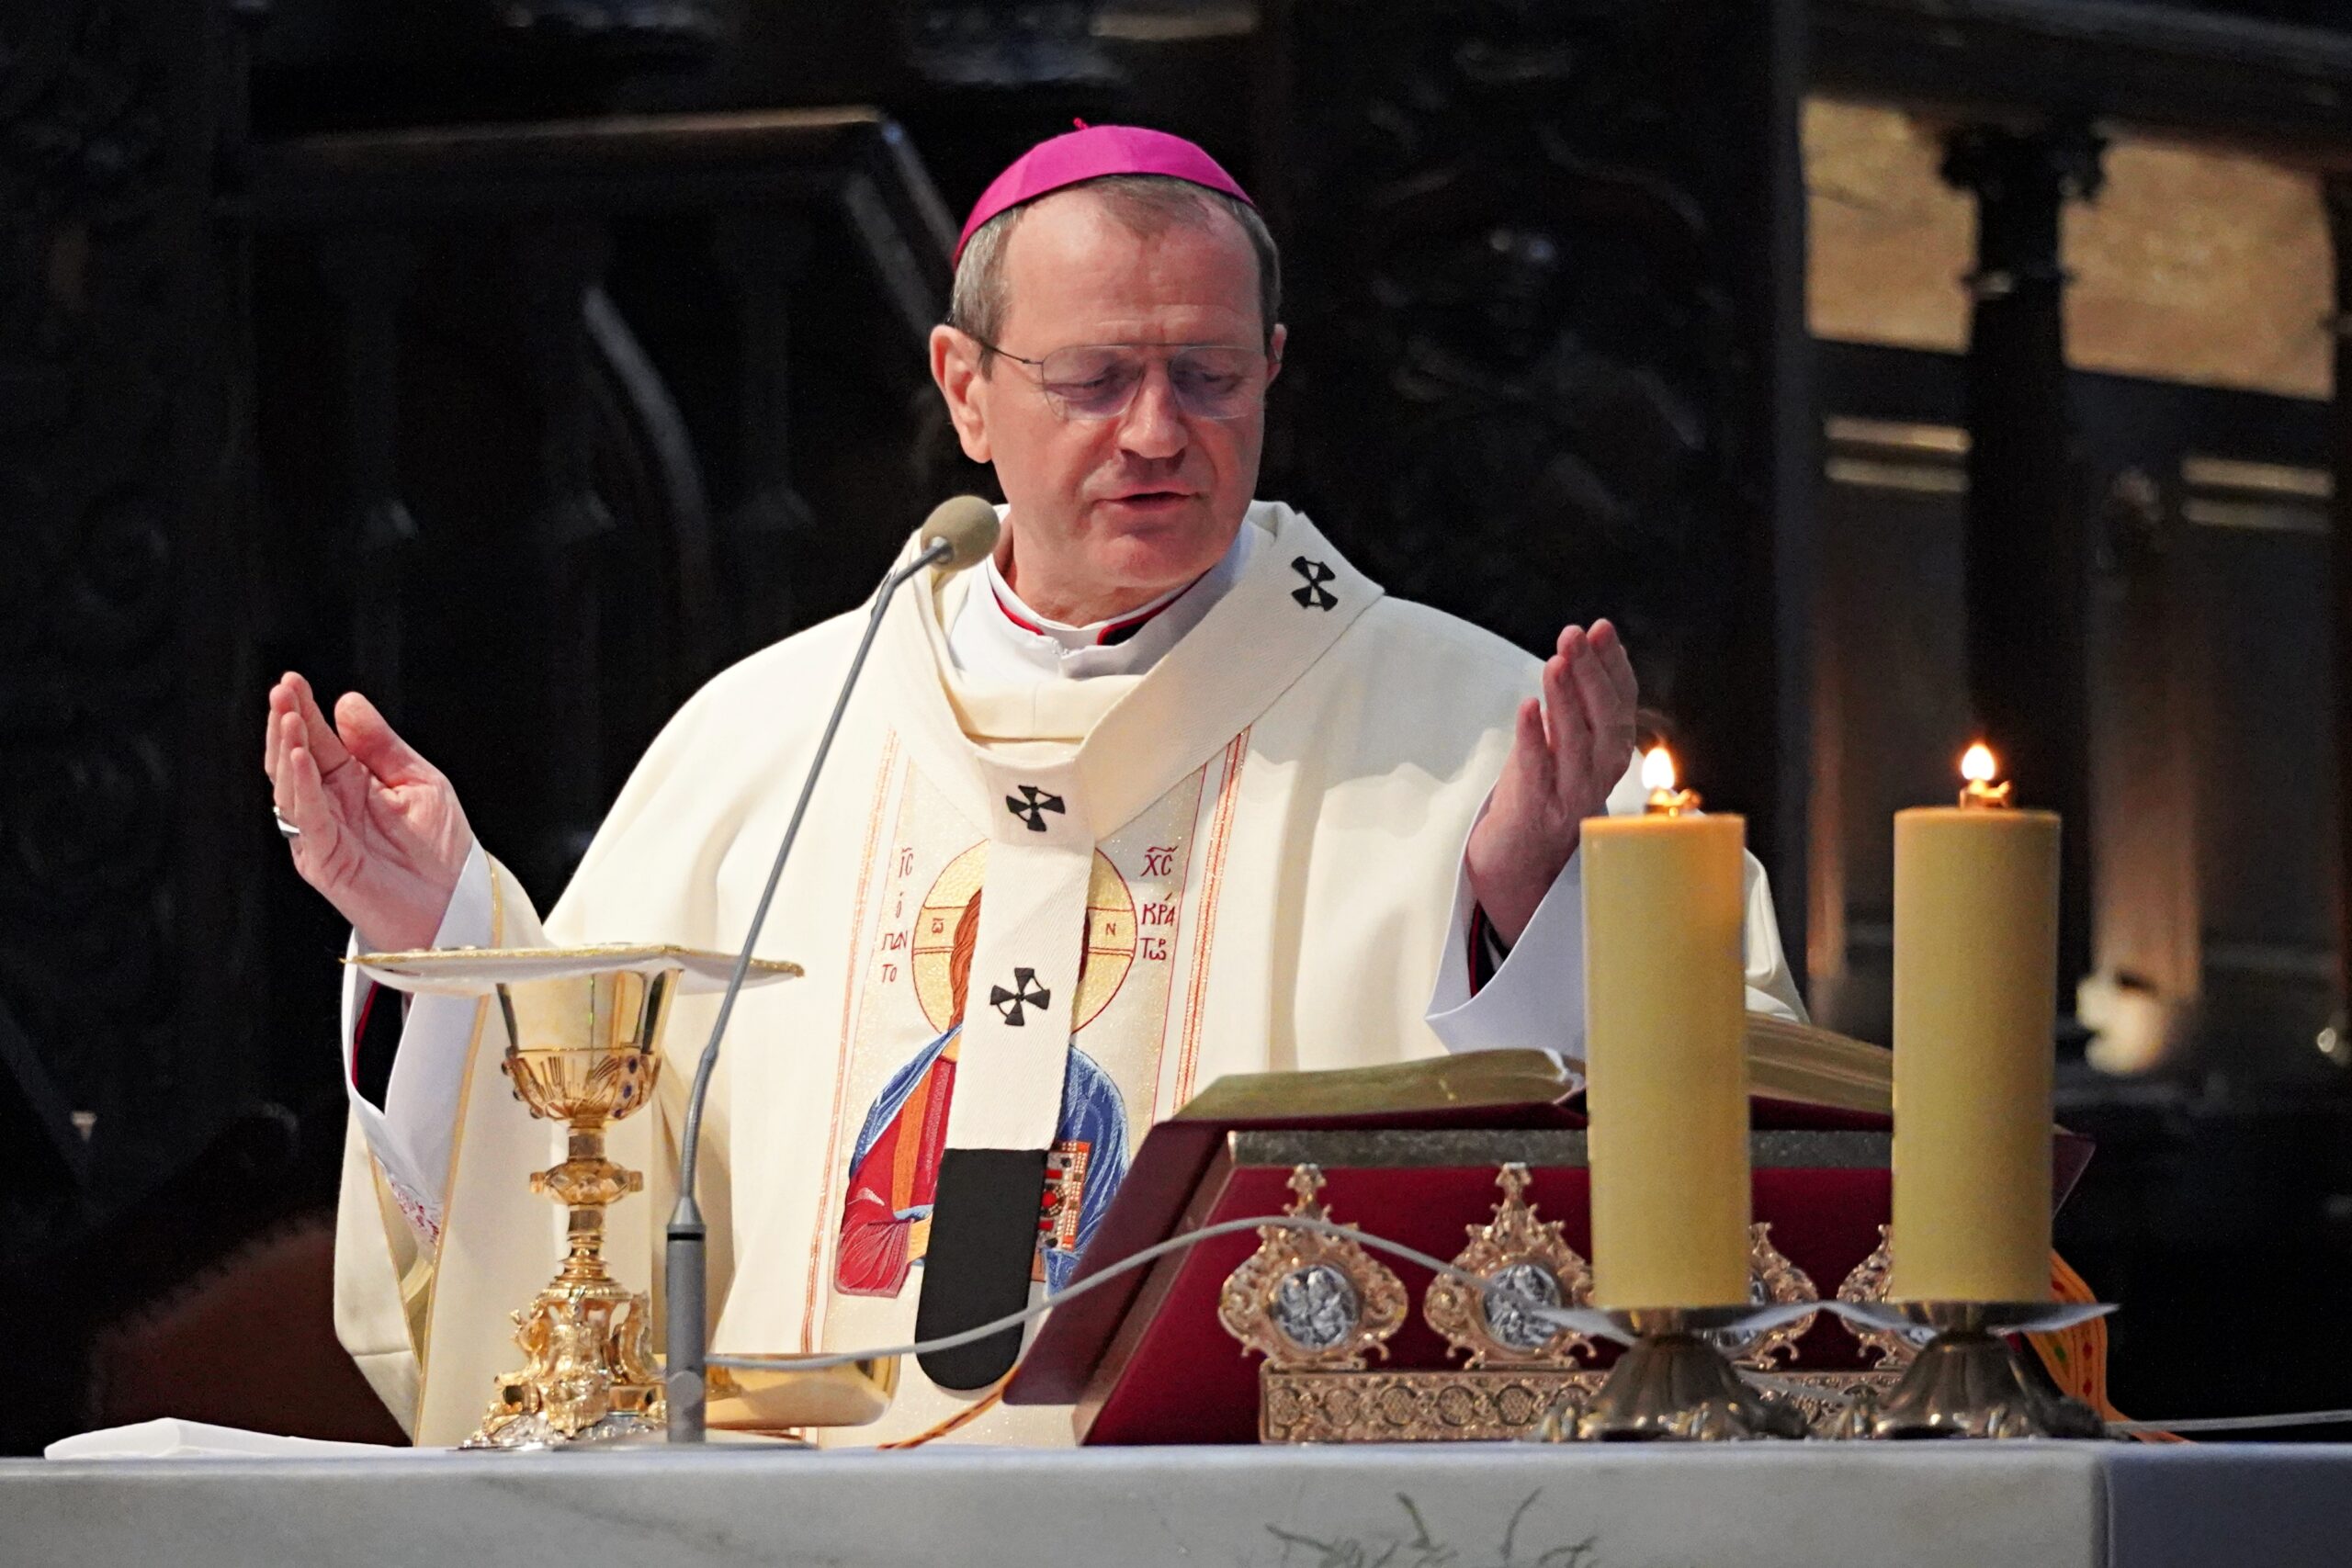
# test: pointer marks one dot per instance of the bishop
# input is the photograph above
(1167, 789)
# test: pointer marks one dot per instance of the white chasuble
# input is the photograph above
(1035, 919)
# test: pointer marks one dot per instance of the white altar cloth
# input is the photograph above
(1513, 1505)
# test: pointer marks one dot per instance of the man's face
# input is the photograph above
(1107, 513)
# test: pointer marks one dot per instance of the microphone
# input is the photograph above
(959, 532)
(968, 526)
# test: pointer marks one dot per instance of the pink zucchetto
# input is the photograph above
(1090, 153)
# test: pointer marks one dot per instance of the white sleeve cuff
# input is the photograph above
(1771, 984)
(413, 1134)
(1534, 999)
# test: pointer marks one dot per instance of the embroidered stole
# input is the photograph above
(1087, 822)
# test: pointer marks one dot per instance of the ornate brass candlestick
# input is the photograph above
(1673, 1383)
(1967, 1381)
(583, 1029)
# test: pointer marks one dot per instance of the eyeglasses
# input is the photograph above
(1099, 380)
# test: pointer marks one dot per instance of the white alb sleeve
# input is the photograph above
(1534, 999)
(411, 1135)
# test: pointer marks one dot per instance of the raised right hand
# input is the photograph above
(383, 836)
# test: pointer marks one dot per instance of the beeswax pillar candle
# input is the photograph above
(1975, 996)
(1664, 1007)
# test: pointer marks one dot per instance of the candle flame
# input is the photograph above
(1658, 770)
(1980, 793)
(1658, 777)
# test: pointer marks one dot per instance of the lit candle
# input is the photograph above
(1975, 993)
(1664, 1015)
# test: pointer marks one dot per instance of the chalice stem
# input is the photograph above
(583, 1261)
(586, 1183)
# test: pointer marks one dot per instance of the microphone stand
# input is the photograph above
(685, 1268)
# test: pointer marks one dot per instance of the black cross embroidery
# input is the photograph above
(1313, 596)
(1033, 809)
(1024, 990)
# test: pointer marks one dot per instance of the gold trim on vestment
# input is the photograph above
(456, 1145)
(1170, 1003)
(854, 981)
(1237, 752)
(414, 1282)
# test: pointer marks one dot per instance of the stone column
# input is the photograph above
(2028, 551)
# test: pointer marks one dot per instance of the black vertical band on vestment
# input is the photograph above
(983, 1248)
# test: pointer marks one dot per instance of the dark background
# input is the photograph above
(522, 364)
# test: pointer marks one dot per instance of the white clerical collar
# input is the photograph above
(995, 636)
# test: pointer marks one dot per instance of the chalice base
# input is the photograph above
(529, 1434)
(590, 1376)
(1677, 1387)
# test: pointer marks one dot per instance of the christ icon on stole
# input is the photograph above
(894, 1168)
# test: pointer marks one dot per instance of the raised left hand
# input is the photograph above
(1569, 748)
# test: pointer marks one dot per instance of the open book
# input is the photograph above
(1795, 1065)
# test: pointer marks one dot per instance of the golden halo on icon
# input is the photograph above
(1109, 936)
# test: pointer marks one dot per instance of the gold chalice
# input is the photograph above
(583, 1028)
(582, 1050)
